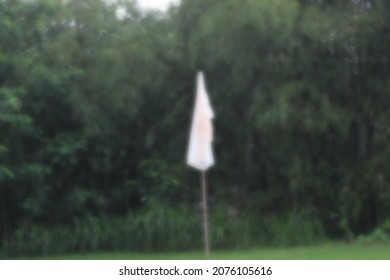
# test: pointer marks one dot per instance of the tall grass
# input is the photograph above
(251, 229)
(160, 229)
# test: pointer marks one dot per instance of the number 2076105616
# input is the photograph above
(227, 270)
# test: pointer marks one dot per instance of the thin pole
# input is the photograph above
(205, 220)
(5, 224)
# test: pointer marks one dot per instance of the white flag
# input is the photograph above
(200, 155)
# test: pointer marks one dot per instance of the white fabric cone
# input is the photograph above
(200, 154)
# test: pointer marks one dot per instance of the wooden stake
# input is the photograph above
(205, 219)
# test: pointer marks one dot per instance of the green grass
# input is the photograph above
(323, 252)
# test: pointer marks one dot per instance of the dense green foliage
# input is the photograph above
(95, 110)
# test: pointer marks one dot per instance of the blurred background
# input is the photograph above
(96, 100)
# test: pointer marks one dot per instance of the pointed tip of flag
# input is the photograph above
(200, 76)
(201, 81)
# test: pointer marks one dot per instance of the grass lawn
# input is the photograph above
(323, 252)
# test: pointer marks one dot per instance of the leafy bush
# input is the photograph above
(386, 226)
(377, 236)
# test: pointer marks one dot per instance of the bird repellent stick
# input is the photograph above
(205, 216)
